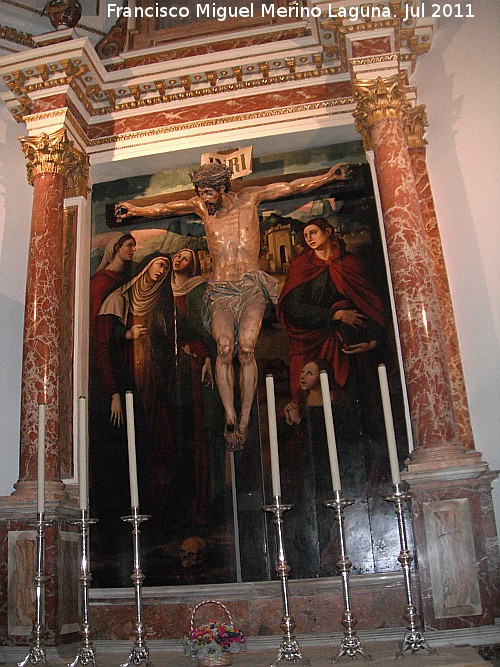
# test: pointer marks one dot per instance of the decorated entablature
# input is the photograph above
(138, 86)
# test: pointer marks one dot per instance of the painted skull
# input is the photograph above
(192, 551)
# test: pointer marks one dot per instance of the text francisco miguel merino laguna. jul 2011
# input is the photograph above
(221, 12)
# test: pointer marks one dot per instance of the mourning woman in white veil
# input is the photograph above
(133, 343)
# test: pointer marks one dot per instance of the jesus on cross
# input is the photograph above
(237, 293)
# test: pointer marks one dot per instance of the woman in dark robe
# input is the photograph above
(133, 343)
(193, 391)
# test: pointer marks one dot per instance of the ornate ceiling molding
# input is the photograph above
(141, 95)
(16, 36)
(106, 89)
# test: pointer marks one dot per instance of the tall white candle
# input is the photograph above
(389, 424)
(82, 453)
(132, 457)
(41, 459)
(330, 431)
(273, 436)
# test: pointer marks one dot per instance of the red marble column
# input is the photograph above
(55, 169)
(381, 108)
(49, 159)
(415, 127)
(450, 485)
(42, 328)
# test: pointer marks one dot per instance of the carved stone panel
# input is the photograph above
(68, 583)
(21, 572)
(452, 558)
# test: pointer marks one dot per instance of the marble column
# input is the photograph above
(415, 124)
(54, 166)
(453, 527)
(51, 160)
(381, 109)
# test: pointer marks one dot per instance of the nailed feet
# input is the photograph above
(235, 438)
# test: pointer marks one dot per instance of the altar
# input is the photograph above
(127, 118)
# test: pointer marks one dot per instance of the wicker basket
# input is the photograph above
(211, 660)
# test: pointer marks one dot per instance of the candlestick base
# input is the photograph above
(414, 639)
(289, 650)
(139, 654)
(36, 656)
(85, 656)
(350, 646)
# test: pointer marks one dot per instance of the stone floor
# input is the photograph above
(468, 647)
(382, 653)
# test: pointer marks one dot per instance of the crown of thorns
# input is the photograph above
(211, 175)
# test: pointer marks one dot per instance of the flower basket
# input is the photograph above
(215, 642)
(212, 659)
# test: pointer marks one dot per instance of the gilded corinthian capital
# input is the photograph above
(53, 154)
(415, 124)
(379, 99)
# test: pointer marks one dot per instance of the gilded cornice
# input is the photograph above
(101, 92)
(141, 99)
(55, 154)
(98, 101)
(379, 99)
(170, 53)
(16, 36)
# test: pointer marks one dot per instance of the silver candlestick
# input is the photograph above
(140, 650)
(289, 647)
(414, 639)
(86, 653)
(37, 653)
(350, 644)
